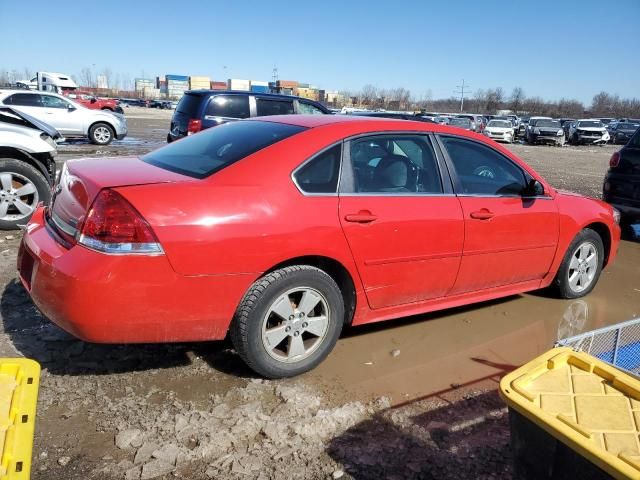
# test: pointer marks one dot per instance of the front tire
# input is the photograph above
(101, 134)
(580, 269)
(288, 321)
(22, 187)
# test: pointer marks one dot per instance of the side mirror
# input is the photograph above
(534, 189)
(70, 107)
(93, 100)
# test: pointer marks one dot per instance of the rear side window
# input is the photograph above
(189, 105)
(273, 107)
(229, 106)
(24, 99)
(216, 148)
(394, 164)
(320, 175)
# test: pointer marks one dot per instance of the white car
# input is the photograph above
(68, 117)
(27, 166)
(499, 130)
(588, 130)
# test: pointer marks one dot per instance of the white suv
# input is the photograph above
(68, 117)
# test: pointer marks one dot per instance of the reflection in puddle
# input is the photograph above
(434, 353)
(573, 320)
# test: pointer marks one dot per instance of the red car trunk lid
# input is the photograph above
(81, 181)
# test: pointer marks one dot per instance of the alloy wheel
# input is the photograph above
(295, 325)
(18, 196)
(583, 267)
(102, 134)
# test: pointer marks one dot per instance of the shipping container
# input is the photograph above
(287, 83)
(259, 83)
(183, 78)
(259, 89)
(238, 84)
(218, 85)
(303, 85)
(197, 83)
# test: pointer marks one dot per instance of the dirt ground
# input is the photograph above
(413, 398)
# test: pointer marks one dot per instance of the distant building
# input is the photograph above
(101, 81)
(142, 83)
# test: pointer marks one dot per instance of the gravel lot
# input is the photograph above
(414, 398)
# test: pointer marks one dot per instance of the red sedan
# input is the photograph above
(281, 230)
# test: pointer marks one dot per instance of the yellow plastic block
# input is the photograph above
(583, 402)
(19, 379)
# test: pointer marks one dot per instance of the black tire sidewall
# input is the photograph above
(562, 280)
(93, 129)
(257, 357)
(13, 165)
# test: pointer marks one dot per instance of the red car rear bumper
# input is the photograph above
(124, 298)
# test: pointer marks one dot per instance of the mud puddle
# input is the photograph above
(432, 354)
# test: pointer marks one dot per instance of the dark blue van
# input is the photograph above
(200, 109)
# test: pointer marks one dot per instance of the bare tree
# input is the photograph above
(28, 73)
(108, 76)
(517, 97)
(86, 77)
(369, 95)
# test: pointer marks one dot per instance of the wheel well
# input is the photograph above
(107, 108)
(9, 152)
(602, 230)
(102, 121)
(335, 270)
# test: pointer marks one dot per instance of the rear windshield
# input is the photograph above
(216, 148)
(460, 121)
(189, 105)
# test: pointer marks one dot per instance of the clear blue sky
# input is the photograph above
(554, 49)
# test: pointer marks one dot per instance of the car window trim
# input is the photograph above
(346, 186)
(457, 184)
(341, 143)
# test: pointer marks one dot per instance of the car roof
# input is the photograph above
(207, 92)
(11, 91)
(377, 123)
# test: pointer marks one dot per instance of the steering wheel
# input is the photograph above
(484, 171)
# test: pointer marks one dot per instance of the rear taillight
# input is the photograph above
(114, 226)
(614, 161)
(194, 126)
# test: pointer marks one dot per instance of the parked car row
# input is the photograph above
(140, 102)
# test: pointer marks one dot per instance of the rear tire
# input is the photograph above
(276, 333)
(101, 134)
(15, 176)
(579, 272)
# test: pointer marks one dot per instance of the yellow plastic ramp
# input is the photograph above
(586, 404)
(19, 379)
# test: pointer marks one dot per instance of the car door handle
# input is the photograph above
(363, 216)
(483, 214)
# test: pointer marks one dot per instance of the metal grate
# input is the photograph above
(617, 344)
